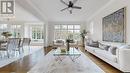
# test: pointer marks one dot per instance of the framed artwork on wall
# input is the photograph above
(114, 26)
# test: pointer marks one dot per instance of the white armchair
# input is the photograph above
(58, 43)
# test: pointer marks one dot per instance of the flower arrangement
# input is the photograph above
(63, 50)
(6, 34)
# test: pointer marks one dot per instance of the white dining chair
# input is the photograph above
(12, 44)
(25, 43)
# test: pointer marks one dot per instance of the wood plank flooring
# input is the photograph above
(25, 64)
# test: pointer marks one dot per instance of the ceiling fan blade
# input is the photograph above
(76, 7)
(74, 1)
(64, 2)
(64, 9)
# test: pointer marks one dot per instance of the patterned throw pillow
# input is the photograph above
(103, 47)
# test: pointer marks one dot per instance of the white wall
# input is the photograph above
(95, 23)
(21, 15)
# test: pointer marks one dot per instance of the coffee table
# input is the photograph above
(73, 54)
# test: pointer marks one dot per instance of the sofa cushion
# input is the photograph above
(106, 55)
(125, 47)
(112, 50)
(59, 44)
(92, 49)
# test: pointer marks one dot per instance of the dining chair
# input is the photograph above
(25, 43)
(12, 44)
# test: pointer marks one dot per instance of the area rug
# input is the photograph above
(49, 64)
(5, 60)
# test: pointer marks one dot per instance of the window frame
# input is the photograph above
(39, 30)
(16, 30)
(68, 29)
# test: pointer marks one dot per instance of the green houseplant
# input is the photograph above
(83, 34)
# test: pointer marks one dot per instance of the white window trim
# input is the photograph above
(65, 29)
(37, 25)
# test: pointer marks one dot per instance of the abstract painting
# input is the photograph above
(114, 26)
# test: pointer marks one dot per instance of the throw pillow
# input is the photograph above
(94, 44)
(88, 41)
(59, 41)
(72, 41)
(103, 47)
(112, 50)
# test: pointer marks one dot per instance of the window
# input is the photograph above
(16, 31)
(64, 31)
(37, 32)
(3, 26)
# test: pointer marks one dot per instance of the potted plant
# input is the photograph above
(6, 34)
(83, 34)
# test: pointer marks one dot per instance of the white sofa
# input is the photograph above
(120, 61)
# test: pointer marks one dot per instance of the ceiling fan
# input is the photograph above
(70, 5)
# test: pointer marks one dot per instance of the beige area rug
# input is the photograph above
(49, 64)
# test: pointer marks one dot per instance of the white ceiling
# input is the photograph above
(50, 9)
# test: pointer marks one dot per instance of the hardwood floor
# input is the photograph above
(23, 65)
